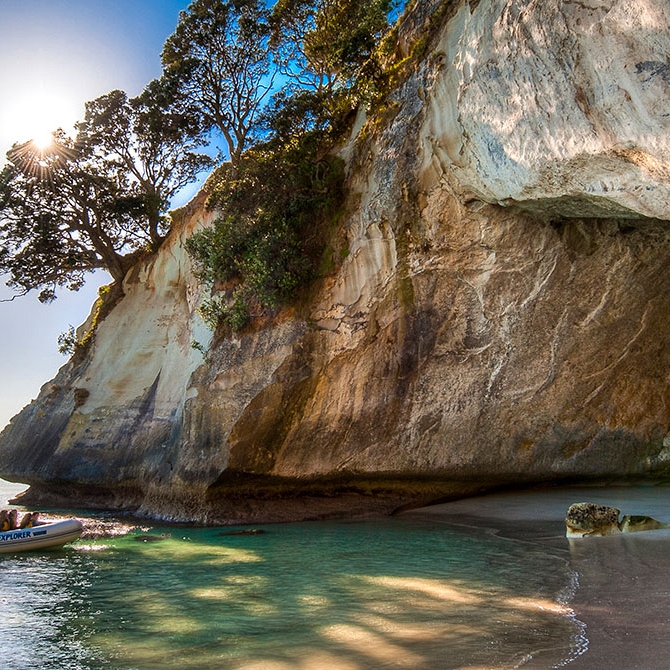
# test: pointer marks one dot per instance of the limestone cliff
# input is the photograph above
(501, 316)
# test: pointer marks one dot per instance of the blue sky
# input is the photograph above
(54, 56)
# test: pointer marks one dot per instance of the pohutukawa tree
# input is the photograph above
(59, 219)
(96, 201)
(220, 61)
(324, 45)
(150, 143)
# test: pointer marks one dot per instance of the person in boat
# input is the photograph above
(28, 520)
(4, 520)
(13, 518)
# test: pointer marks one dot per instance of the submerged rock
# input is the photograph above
(147, 537)
(636, 523)
(245, 531)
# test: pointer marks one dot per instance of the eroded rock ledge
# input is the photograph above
(242, 499)
(501, 315)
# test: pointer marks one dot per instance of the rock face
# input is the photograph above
(557, 106)
(501, 316)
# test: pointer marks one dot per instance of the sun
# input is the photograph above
(42, 140)
(34, 114)
(43, 114)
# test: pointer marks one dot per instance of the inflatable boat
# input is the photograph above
(43, 536)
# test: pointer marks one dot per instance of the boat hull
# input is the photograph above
(44, 536)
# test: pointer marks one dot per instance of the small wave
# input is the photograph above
(579, 643)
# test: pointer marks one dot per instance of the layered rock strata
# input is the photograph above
(500, 316)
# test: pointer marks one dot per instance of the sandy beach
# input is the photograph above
(622, 594)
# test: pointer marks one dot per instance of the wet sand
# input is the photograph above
(623, 582)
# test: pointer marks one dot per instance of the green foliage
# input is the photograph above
(233, 313)
(219, 63)
(198, 346)
(67, 341)
(269, 240)
(326, 45)
(398, 64)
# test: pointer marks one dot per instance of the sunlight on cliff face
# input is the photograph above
(640, 16)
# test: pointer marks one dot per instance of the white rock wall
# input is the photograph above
(556, 101)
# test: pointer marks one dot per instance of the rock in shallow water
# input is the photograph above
(151, 538)
(588, 519)
(636, 523)
(583, 519)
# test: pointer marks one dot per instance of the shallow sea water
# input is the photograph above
(390, 593)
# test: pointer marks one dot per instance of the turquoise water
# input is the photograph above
(339, 595)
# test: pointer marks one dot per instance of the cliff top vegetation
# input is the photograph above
(271, 86)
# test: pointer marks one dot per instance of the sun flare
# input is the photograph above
(35, 114)
(42, 140)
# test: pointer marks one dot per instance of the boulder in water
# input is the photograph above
(586, 519)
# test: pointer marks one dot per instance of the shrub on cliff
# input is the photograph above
(276, 198)
(269, 238)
